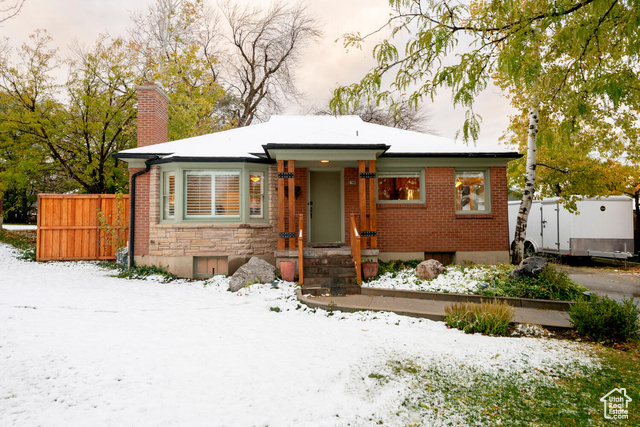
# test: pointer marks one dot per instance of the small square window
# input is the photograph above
(470, 191)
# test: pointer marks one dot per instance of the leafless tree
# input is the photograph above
(169, 27)
(399, 115)
(10, 8)
(258, 68)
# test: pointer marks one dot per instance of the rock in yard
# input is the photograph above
(255, 271)
(429, 269)
(529, 267)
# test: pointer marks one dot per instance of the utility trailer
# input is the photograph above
(600, 228)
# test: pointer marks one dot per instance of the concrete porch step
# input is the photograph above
(329, 281)
(333, 291)
(334, 261)
(333, 271)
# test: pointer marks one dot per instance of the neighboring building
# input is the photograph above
(211, 202)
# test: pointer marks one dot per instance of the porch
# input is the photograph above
(327, 222)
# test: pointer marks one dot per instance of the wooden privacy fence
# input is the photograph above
(69, 227)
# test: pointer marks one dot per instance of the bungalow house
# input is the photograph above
(207, 204)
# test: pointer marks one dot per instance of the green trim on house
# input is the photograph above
(328, 154)
(487, 190)
(245, 169)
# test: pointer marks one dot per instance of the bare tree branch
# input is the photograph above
(10, 8)
(265, 46)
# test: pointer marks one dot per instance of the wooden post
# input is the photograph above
(300, 253)
(38, 227)
(99, 232)
(362, 198)
(280, 205)
(292, 205)
(372, 204)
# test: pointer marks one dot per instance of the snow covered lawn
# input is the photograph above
(79, 347)
(455, 279)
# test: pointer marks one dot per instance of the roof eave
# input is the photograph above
(510, 155)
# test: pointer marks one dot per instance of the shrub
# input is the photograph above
(550, 284)
(604, 319)
(24, 240)
(144, 271)
(395, 265)
(491, 318)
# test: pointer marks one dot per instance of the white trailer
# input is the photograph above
(601, 227)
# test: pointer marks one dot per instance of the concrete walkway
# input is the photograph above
(425, 308)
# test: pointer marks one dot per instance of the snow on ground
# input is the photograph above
(15, 227)
(79, 347)
(455, 279)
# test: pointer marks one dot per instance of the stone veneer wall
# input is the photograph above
(186, 240)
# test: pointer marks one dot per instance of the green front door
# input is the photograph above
(325, 213)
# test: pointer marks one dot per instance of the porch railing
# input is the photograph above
(300, 255)
(355, 248)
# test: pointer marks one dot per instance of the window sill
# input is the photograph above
(416, 205)
(213, 225)
(471, 215)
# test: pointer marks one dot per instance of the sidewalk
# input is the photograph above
(425, 308)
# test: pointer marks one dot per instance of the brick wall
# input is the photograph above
(434, 226)
(142, 211)
(153, 119)
(152, 128)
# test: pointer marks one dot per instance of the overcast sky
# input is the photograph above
(323, 67)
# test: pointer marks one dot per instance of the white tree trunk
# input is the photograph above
(529, 189)
(1, 208)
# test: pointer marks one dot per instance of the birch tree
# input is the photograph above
(574, 61)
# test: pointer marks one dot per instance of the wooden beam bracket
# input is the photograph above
(368, 175)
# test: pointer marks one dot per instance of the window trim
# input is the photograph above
(400, 171)
(212, 172)
(487, 191)
(179, 168)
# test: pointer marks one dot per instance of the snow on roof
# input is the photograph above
(314, 132)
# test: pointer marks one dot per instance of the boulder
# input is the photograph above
(255, 271)
(429, 269)
(529, 267)
(122, 256)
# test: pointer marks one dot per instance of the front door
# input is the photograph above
(325, 213)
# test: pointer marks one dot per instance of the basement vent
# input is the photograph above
(210, 266)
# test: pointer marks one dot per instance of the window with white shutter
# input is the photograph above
(212, 194)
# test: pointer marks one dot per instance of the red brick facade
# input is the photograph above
(432, 226)
(153, 122)
(435, 227)
(142, 213)
(153, 117)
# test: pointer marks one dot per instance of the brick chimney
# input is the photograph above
(153, 115)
